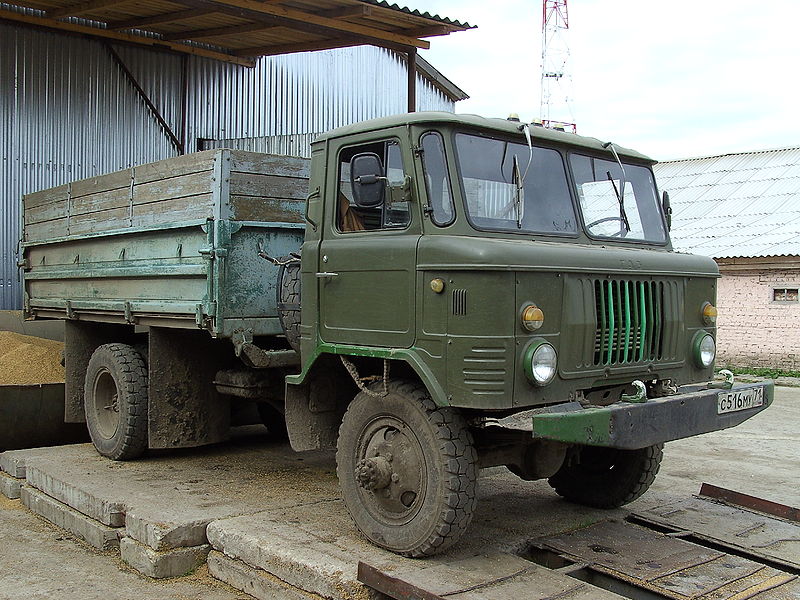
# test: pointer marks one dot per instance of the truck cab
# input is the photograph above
(515, 283)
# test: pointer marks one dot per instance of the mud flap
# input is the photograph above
(80, 341)
(185, 409)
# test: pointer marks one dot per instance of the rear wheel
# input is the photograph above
(607, 477)
(115, 400)
(407, 470)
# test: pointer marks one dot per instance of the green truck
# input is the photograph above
(475, 293)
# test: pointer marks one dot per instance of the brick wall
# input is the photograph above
(752, 329)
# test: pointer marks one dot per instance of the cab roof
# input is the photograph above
(501, 126)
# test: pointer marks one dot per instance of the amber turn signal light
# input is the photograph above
(532, 317)
(709, 313)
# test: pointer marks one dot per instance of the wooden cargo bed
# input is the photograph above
(172, 243)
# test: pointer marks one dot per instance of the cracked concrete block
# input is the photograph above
(44, 476)
(92, 532)
(9, 486)
(250, 580)
(13, 463)
(297, 557)
(160, 533)
(160, 565)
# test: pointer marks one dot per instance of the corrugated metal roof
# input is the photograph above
(735, 205)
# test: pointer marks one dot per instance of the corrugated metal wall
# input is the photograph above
(68, 112)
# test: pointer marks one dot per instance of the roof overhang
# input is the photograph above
(238, 31)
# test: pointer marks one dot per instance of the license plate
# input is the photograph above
(739, 400)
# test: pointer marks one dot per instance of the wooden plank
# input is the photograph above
(757, 534)
(53, 194)
(302, 20)
(101, 220)
(47, 230)
(101, 183)
(118, 198)
(176, 166)
(122, 37)
(269, 164)
(497, 576)
(268, 186)
(270, 210)
(46, 212)
(191, 184)
(173, 210)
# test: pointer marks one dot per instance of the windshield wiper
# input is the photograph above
(620, 193)
(622, 215)
(519, 191)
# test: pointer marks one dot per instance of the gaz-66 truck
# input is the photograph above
(475, 293)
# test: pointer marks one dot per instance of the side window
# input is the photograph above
(437, 182)
(394, 212)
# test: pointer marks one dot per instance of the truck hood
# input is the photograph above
(444, 252)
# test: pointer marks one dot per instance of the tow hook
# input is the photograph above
(725, 384)
(637, 398)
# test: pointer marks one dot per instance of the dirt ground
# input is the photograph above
(760, 457)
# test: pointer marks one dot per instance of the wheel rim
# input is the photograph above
(390, 471)
(106, 404)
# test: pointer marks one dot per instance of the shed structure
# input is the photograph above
(743, 210)
(96, 86)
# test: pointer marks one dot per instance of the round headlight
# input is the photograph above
(705, 350)
(540, 363)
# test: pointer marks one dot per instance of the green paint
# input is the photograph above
(627, 321)
(590, 426)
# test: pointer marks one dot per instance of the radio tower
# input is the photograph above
(556, 88)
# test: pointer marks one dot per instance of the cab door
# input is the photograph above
(367, 261)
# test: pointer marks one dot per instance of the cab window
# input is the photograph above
(394, 212)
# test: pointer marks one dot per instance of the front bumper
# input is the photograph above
(631, 426)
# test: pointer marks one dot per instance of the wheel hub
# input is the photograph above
(374, 473)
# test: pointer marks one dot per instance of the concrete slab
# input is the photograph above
(13, 462)
(166, 500)
(9, 486)
(252, 581)
(92, 532)
(161, 565)
(56, 475)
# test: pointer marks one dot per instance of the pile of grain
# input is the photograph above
(25, 360)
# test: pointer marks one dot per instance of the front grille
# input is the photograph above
(630, 321)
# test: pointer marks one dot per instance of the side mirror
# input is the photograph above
(667, 209)
(367, 180)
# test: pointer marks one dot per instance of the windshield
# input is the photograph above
(543, 204)
(608, 212)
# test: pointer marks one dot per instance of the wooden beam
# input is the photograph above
(430, 31)
(123, 37)
(197, 34)
(179, 15)
(83, 7)
(299, 47)
(260, 25)
(303, 21)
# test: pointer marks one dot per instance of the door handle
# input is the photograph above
(326, 275)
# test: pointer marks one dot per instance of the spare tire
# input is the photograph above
(289, 299)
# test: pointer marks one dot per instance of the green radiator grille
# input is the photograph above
(630, 317)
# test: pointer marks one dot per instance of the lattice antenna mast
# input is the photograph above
(556, 89)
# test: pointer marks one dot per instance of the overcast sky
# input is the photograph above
(670, 79)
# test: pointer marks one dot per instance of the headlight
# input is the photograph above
(705, 350)
(540, 363)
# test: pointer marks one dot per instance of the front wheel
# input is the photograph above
(115, 400)
(407, 470)
(607, 477)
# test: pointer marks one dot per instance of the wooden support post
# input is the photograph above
(412, 80)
